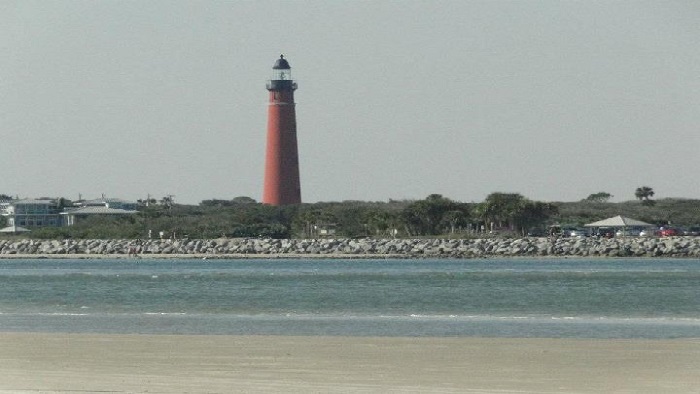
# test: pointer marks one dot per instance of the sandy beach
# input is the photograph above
(66, 363)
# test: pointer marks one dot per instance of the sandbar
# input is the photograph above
(79, 363)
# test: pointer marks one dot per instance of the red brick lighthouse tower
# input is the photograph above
(282, 185)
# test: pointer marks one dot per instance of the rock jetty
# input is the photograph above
(688, 247)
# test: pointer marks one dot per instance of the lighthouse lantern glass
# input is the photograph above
(282, 75)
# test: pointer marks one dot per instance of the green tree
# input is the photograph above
(599, 197)
(499, 209)
(64, 203)
(168, 201)
(455, 218)
(381, 222)
(243, 200)
(515, 212)
(533, 214)
(307, 222)
(430, 216)
(644, 194)
(103, 227)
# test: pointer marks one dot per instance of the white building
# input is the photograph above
(101, 206)
(31, 213)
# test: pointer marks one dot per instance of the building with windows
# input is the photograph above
(31, 213)
(102, 206)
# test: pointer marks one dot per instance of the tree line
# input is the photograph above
(509, 214)
(244, 217)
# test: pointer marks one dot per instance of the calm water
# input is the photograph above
(625, 298)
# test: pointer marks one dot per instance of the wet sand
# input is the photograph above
(67, 363)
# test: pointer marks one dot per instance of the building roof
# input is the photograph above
(28, 201)
(106, 200)
(618, 221)
(281, 64)
(97, 211)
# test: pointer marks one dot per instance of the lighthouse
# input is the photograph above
(281, 186)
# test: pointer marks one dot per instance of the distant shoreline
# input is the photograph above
(366, 248)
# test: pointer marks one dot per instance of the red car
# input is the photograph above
(669, 232)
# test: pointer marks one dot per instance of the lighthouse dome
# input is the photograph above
(281, 64)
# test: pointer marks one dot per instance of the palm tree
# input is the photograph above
(643, 194)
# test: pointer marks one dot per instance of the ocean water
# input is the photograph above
(554, 298)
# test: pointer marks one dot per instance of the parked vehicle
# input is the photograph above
(536, 232)
(605, 232)
(578, 233)
(692, 231)
(669, 232)
(630, 232)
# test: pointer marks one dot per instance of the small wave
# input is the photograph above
(62, 314)
(543, 318)
(165, 313)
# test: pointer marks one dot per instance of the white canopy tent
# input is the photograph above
(619, 222)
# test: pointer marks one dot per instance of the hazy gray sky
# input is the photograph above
(397, 99)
